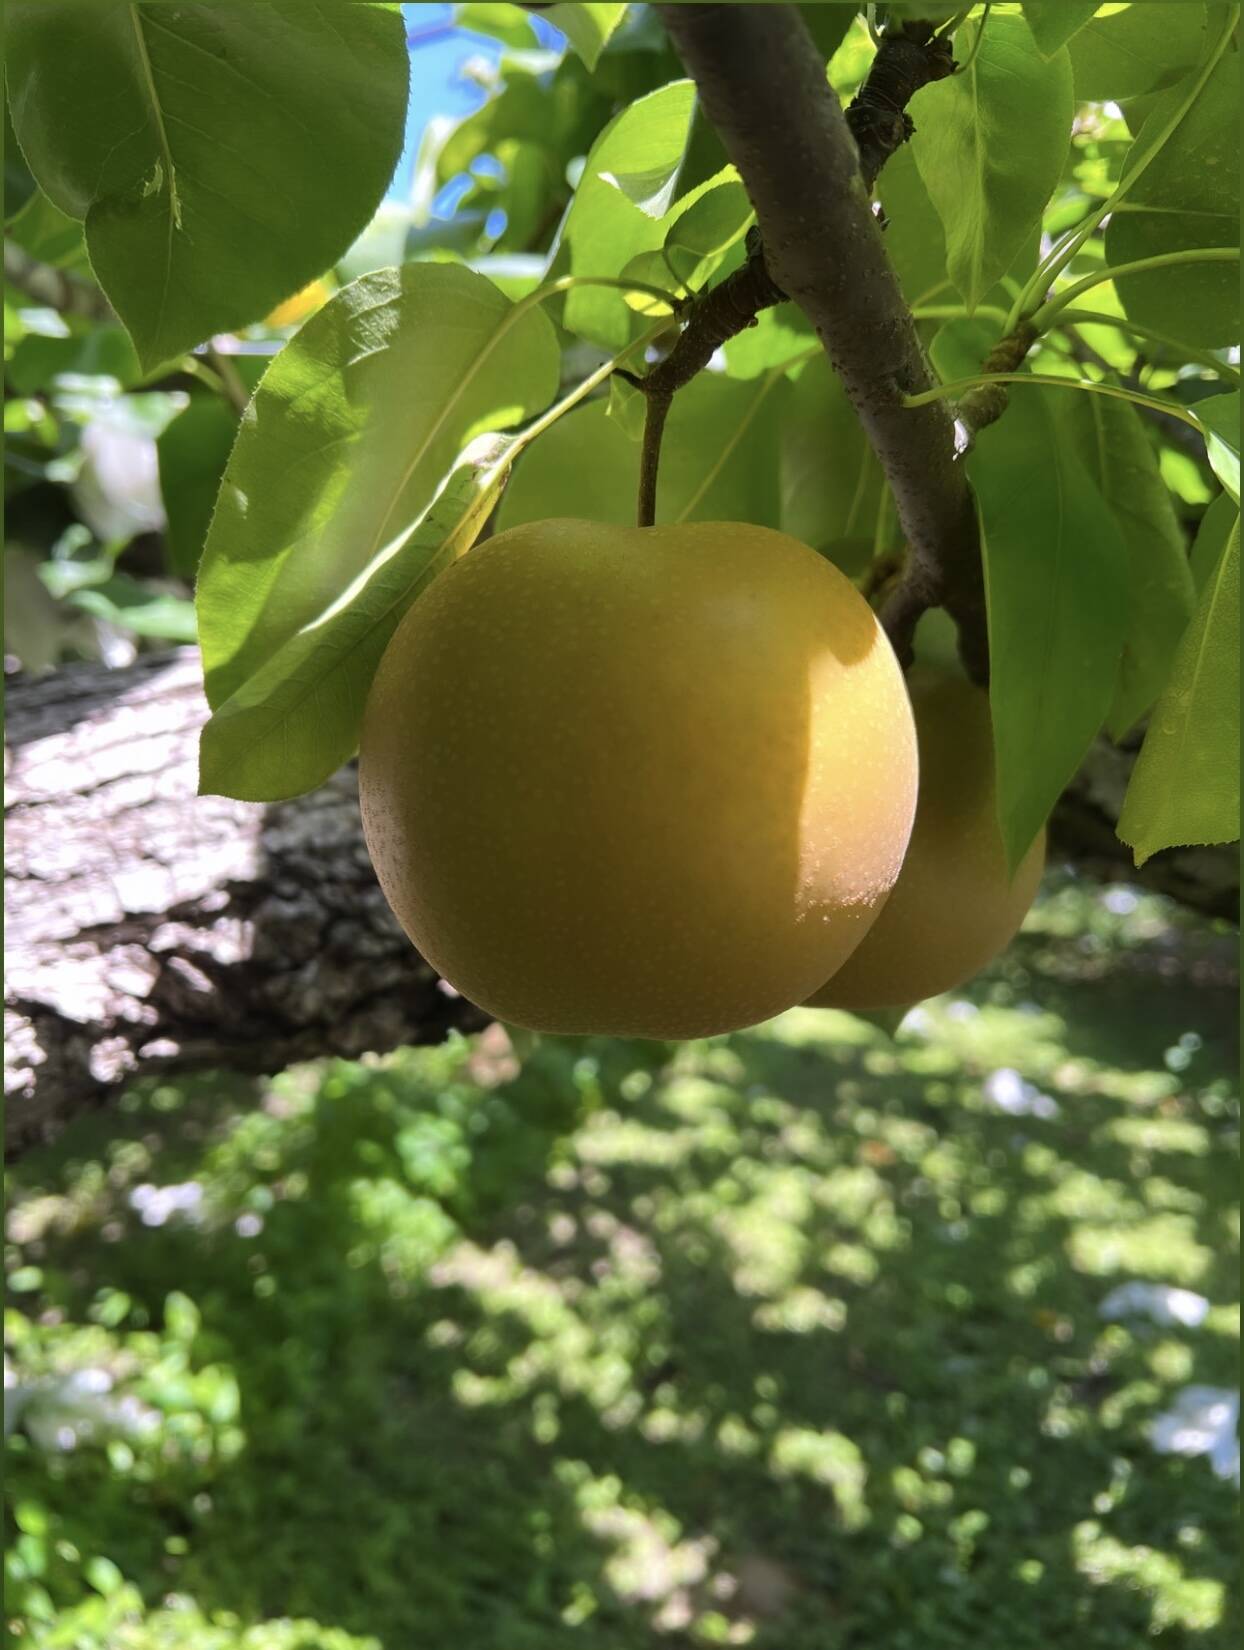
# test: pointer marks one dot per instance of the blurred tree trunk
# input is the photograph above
(151, 928)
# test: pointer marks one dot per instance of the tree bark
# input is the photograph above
(150, 928)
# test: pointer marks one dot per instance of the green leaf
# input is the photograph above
(828, 25)
(1053, 22)
(18, 183)
(1056, 576)
(960, 346)
(347, 439)
(1110, 438)
(1136, 49)
(1215, 529)
(49, 235)
(1185, 785)
(511, 25)
(218, 155)
(1219, 416)
(586, 27)
(990, 145)
(193, 452)
(701, 233)
(296, 719)
(719, 460)
(914, 240)
(133, 605)
(779, 334)
(603, 229)
(1188, 197)
(831, 481)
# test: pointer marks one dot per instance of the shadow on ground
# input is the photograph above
(791, 1338)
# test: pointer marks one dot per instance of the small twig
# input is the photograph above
(715, 317)
(235, 391)
(986, 404)
(650, 456)
(878, 574)
(976, 44)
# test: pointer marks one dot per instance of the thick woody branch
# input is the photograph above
(908, 58)
(762, 83)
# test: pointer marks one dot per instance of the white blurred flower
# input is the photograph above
(1011, 1093)
(1202, 1421)
(63, 1411)
(156, 1204)
(1159, 1302)
(117, 492)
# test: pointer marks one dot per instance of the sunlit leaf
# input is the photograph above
(1135, 49)
(603, 229)
(1185, 787)
(295, 720)
(1056, 579)
(220, 156)
(586, 27)
(1188, 197)
(346, 442)
(1053, 22)
(989, 189)
(1219, 416)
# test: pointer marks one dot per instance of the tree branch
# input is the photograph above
(762, 83)
(150, 929)
(909, 57)
(65, 293)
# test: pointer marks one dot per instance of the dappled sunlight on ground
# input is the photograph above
(833, 1333)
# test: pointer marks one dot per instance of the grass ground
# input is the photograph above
(790, 1338)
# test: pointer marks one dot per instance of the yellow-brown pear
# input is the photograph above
(652, 782)
(954, 907)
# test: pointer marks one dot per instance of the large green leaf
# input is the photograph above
(1185, 787)
(778, 335)
(221, 156)
(828, 25)
(914, 240)
(1056, 579)
(1053, 22)
(345, 443)
(1216, 527)
(193, 453)
(636, 156)
(586, 27)
(49, 235)
(1119, 456)
(1219, 416)
(719, 460)
(1136, 49)
(704, 230)
(1187, 197)
(990, 145)
(831, 481)
(296, 719)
